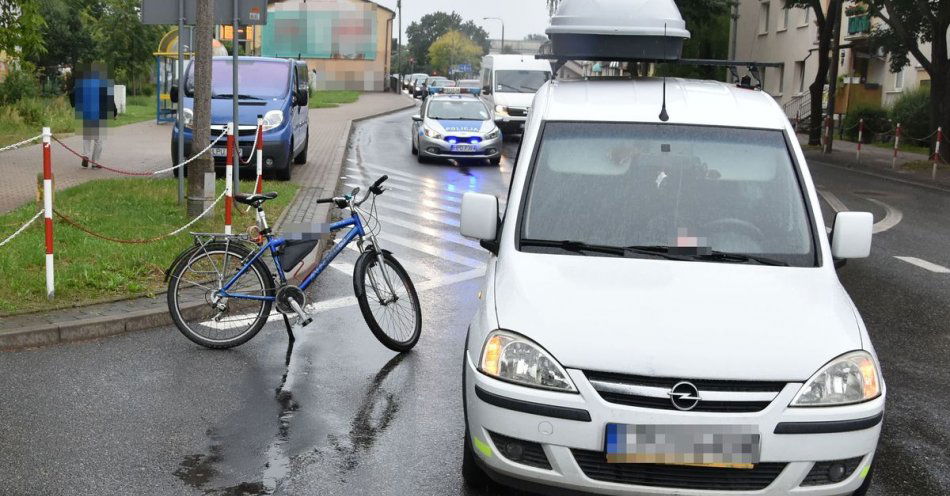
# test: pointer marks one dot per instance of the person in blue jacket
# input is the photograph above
(93, 97)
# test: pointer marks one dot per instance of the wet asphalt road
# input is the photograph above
(151, 413)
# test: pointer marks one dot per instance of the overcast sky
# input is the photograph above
(522, 17)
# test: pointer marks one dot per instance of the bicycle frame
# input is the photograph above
(273, 245)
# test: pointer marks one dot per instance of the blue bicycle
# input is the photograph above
(221, 292)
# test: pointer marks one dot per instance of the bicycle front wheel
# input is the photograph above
(388, 300)
(197, 308)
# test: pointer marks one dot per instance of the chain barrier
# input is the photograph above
(253, 151)
(94, 234)
(135, 173)
(925, 138)
(18, 145)
(22, 228)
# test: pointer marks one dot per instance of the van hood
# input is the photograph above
(248, 110)
(690, 320)
(513, 99)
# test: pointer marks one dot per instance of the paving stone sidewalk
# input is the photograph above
(878, 161)
(329, 133)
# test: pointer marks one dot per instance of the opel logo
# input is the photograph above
(684, 396)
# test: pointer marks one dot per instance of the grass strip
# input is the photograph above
(332, 98)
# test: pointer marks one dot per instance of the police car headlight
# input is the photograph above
(515, 358)
(189, 117)
(501, 109)
(494, 134)
(431, 133)
(850, 378)
(273, 119)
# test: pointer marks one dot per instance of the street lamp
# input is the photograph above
(502, 29)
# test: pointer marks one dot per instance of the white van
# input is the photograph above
(661, 312)
(509, 83)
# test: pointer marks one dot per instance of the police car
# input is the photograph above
(455, 126)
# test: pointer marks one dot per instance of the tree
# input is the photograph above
(826, 21)
(708, 25)
(907, 24)
(68, 38)
(420, 35)
(122, 40)
(203, 34)
(454, 48)
(21, 26)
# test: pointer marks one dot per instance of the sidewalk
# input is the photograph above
(329, 132)
(877, 161)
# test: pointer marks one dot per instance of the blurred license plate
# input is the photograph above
(733, 446)
(219, 152)
(463, 148)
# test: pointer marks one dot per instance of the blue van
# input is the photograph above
(276, 89)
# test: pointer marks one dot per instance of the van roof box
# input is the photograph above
(647, 30)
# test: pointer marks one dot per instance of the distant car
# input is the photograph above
(473, 86)
(438, 86)
(455, 126)
(413, 81)
(423, 90)
(418, 83)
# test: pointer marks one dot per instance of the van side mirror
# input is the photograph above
(303, 98)
(486, 90)
(173, 94)
(851, 235)
(417, 118)
(480, 219)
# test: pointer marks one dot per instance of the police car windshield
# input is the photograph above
(698, 193)
(258, 79)
(520, 81)
(458, 110)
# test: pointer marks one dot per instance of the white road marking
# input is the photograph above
(892, 216)
(923, 264)
(415, 201)
(408, 263)
(432, 250)
(450, 236)
(833, 201)
(443, 219)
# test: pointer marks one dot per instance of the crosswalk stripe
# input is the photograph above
(450, 236)
(430, 191)
(431, 183)
(411, 266)
(923, 264)
(417, 201)
(433, 250)
(443, 219)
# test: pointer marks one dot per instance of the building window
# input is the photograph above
(800, 77)
(764, 8)
(783, 21)
(806, 17)
(899, 80)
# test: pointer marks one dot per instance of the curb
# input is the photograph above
(98, 327)
(880, 174)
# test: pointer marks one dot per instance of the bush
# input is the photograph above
(912, 111)
(19, 84)
(875, 121)
(31, 111)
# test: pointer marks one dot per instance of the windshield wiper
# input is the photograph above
(722, 256)
(240, 96)
(620, 251)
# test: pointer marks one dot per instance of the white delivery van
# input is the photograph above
(509, 83)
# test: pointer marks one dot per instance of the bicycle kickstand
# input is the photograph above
(290, 329)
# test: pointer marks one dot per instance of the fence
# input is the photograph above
(48, 211)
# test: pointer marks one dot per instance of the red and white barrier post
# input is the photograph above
(48, 212)
(228, 180)
(937, 152)
(259, 187)
(897, 144)
(860, 137)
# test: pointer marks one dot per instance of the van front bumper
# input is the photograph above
(276, 151)
(570, 429)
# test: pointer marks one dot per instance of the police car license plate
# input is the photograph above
(463, 148)
(219, 152)
(730, 446)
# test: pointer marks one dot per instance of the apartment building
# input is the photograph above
(766, 31)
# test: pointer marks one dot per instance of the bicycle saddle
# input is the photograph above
(254, 199)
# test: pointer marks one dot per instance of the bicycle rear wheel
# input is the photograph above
(394, 315)
(207, 319)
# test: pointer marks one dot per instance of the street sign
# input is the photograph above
(251, 12)
(460, 69)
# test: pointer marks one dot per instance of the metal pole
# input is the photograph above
(181, 92)
(236, 122)
(399, 50)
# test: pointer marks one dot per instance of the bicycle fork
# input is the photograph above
(380, 262)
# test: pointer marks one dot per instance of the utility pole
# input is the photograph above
(201, 124)
(502, 30)
(181, 109)
(834, 15)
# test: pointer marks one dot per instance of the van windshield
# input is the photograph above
(257, 79)
(667, 191)
(520, 81)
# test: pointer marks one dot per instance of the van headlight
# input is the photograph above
(273, 119)
(501, 109)
(188, 117)
(514, 358)
(850, 378)
(431, 133)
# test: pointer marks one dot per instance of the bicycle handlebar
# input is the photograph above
(343, 201)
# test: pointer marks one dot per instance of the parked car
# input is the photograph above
(661, 312)
(414, 79)
(455, 126)
(277, 89)
(422, 90)
(437, 86)
(508, 86)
